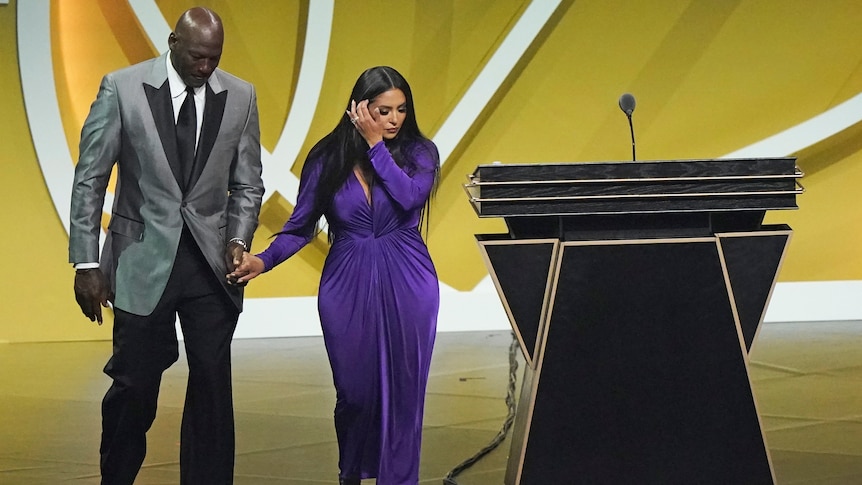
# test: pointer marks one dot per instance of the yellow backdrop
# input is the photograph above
(709, 77)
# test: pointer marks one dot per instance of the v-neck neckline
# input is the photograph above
(363, 184)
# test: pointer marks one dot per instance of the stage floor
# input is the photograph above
(807, 378)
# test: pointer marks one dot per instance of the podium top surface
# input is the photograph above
(653, 186)
(641, 170)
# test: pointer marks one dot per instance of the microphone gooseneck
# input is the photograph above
(627, 104)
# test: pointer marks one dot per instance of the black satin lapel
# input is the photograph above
(163, 115)
(213, 112)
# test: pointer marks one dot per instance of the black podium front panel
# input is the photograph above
(523, 274)
(753, 260)
(641, 372)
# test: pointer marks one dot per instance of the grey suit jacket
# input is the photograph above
(131, 124)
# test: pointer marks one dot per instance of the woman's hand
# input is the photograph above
(367, 122)
(249, 268)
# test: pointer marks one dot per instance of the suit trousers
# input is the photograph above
(144, 347)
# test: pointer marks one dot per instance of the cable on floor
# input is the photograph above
(507, 424)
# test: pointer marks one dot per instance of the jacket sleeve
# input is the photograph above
(245, 185)
(98, 152)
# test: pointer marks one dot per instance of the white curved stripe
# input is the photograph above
(304, 103)
(41, 103)
(807, 133)
(498, 68)
(153, 22)
(42, 106)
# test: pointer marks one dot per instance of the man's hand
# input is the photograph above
(92, 292)
(233, 258)
(233, 255)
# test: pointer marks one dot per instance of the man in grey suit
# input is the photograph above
(186, 142)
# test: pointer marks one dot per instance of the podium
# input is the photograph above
(636, 290)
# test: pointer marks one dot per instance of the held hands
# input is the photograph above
(250, 267)
(233, 255)
(92, 293)
(368, 123)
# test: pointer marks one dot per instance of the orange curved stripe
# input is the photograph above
(128, 32)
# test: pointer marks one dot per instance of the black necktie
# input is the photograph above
(186, 133)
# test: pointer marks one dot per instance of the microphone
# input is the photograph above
(627, 104)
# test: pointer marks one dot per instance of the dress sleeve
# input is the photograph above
(409, 189)
(300, 227)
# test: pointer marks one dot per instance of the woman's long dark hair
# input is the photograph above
(343, 148)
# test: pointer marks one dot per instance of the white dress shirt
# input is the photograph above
(178, 95)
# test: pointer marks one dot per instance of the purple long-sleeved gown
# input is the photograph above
(378, 303)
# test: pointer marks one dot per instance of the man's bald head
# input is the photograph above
(196, 45)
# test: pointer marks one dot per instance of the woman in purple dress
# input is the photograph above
(372, 178)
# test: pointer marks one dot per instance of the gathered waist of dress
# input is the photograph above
(404, 232)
